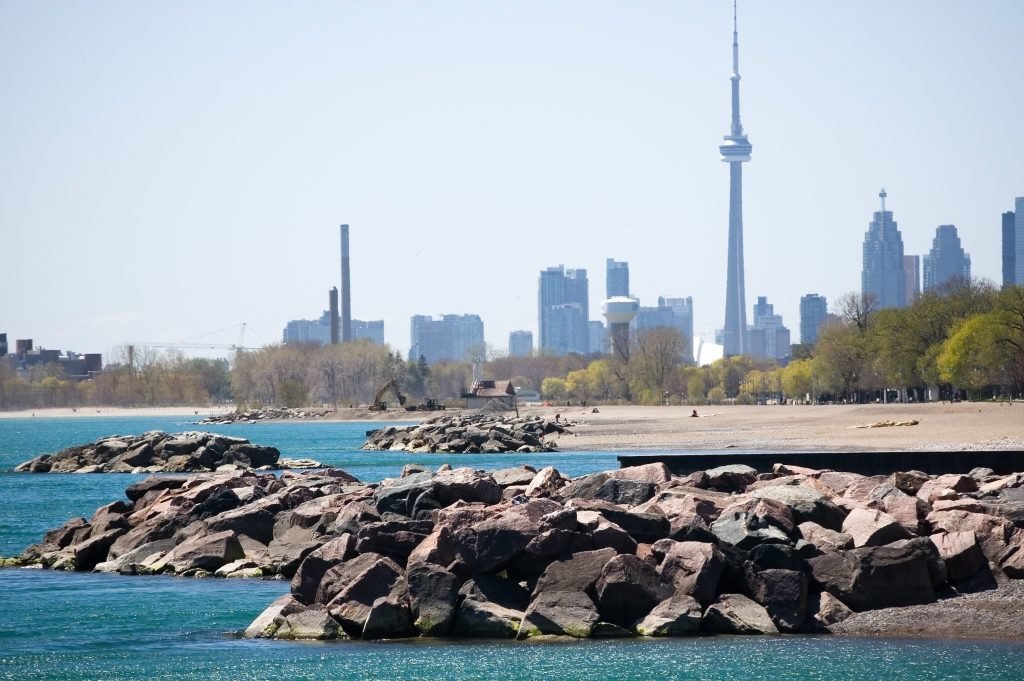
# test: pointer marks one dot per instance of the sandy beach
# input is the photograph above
(940, 426)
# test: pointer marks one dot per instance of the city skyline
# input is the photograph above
(177, 192)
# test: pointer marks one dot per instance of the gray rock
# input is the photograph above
(869, 578)
(491, 607)
(675, 616)
(559, 613)
(432, 598)
(628, 590)
(315, 565)
(737, 614)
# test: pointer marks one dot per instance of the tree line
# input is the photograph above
(964, 340)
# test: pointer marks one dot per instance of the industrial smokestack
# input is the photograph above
(346, 290)
(334, 315)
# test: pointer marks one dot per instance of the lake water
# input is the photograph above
(57, 625)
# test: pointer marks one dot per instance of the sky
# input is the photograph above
(171, 170)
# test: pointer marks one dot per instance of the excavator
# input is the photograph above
(378, 400)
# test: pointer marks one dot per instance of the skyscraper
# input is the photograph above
(813, 313)
(1018, 238)
(346, 289)
(769, 337)
(735, 151)
(882, 275)
(673, 313)
(616, 278)
(946, 262)
(911, 278)
(1009, 248)
(563, 305)
(452, 337)
(520, 344)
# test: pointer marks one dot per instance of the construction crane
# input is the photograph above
(194, 344)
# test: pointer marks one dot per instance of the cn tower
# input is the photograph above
(735, 150)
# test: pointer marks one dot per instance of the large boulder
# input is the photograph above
(870, 577)
(495, 543)
(382, 577)
(395, 539)
(961, 553)
(269, 621)
(628, 590)
(805, 504)
(315, 565)
(491, 607)
(873, 528)
(692, 567)
(824, 539)
(432, 598)
(737, 614)
(312, 623)
(678, 615)
(783, 593)
(748, 523)
(654, 473)
(202, 552)
(560, 613)
(731, 478)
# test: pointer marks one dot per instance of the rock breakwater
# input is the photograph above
(157, 452)
(518, 553)
(485, 433)
(266, 414)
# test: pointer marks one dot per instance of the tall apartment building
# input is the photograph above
(563, 311)
(616, 278)
(318, 331)
(598, 338)
(1013, 245)
(673, 313)
(882, 275)
(372, 330)
(813, 313)
(947, 261)
(769, 337)
(520, 344)
(1009, 248)
(450, 338)
(911, 278)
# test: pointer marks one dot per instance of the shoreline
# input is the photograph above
(963, 426)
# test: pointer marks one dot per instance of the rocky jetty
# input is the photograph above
(266, 414)
(486, 433)
(519, 553)
(160, 452)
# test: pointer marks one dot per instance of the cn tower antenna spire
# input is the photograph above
(735, 150)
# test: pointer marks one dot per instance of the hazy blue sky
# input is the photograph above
(172, 168)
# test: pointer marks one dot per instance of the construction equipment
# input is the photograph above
(378, 400)
(430, 404)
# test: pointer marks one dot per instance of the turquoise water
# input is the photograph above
(81, 626)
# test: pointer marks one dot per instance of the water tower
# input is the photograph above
(620, 311)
